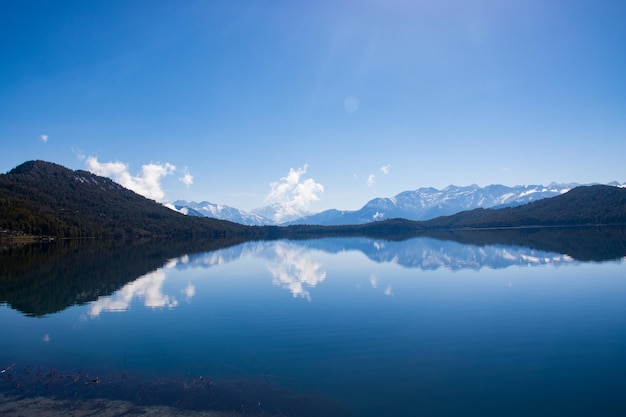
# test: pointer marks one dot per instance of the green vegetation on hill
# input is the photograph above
(45, 199)
(42, 198)
(44, 278)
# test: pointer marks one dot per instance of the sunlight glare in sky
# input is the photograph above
(449, 92)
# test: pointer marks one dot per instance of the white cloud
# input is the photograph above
(44, 138)
(79, 154)
(385, 169)
(187, 178)
(371, 180)
(183, 210)
(293, 194)
(148, 183)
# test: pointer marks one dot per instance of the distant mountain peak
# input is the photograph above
(221, 212)
(428, 202)
(420, 204)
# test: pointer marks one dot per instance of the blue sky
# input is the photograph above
(325, 103)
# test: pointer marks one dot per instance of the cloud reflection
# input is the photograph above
(294, 270)
(374, 281)
(294, 266)
(189, 291)
(149, 288)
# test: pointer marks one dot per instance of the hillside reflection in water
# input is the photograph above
(293, 265)
(335, 327)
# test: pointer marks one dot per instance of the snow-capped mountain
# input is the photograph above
(222, 212)
(421, 204)
(269, 215)
(428, 203)
(280, 213)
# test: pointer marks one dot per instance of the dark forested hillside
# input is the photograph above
(43, 198)
(44, 278)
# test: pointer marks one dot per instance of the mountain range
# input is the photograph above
(220, 211)
(421, 204)
(45, 199)
(29, 277)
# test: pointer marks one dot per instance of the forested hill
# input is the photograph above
(43, 198)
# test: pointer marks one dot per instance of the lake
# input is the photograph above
(473, 324)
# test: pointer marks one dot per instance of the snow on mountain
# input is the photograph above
(222, 212)
(428, 203)
(269, 215)
(280, 213)
(421, 204)
(324, 217)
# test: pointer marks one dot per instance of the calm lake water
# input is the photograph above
(335, 327)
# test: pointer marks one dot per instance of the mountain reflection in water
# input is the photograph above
(528, 322)
(293, 267)
(46, 278)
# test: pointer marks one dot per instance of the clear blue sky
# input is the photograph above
(360, 98)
